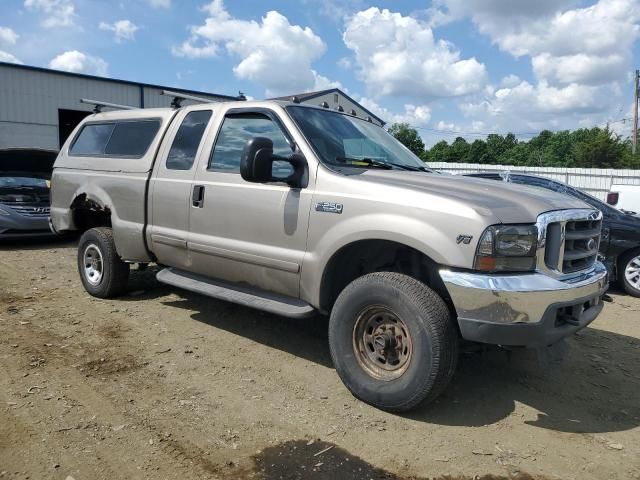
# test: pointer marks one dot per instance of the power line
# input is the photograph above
(473, 134)
(459, 133)
(634, 134)
(622, 120)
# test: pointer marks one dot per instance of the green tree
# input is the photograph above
(586, 147)
(477, 151)
(602, 149)
(408, 137)
(458, 151)
(439, 152)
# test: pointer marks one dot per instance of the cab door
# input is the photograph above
(170, 187)
(247, 232)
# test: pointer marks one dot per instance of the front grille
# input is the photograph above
(571, 243)
(581, 243)
(36, 211)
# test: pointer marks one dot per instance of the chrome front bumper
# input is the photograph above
(530, 309)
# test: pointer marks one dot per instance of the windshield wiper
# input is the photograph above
(413, 168)
(377, 163)
(369, 162)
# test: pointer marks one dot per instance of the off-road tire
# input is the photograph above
(115, 272)
(622, 265)
(432, 331)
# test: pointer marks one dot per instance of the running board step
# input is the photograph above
(242, 295)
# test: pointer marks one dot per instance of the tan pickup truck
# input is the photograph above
(300, 210)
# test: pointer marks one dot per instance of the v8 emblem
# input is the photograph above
(466, 239)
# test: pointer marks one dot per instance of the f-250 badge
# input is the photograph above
(329, 207)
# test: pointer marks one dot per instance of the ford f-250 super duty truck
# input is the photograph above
(298, 209)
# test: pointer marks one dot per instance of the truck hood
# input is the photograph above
(509, 203)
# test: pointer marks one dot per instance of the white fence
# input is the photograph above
(595, 181)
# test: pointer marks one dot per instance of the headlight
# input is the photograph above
(507, 248)
(4, 212)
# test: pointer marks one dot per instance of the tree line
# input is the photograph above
(583, 148)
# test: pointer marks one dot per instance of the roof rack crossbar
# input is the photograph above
(99, 105)
(178, 98)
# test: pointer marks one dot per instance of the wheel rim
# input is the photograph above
(382, 343)
(93, 264)
(632, 272)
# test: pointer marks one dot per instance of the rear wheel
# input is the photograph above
(392, 341)
(102, 272)
(629, 272)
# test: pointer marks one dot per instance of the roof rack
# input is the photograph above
(99, 105)
(178, 98)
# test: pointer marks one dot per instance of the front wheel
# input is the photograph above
(629, 272)
(392, 341)
(102, 271)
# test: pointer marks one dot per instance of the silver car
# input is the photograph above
(25, 181)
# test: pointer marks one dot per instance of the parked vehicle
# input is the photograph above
(297, 209)
(620, 244)
(24, 192)
(625, 197)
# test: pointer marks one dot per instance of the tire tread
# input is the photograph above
(116, 274)
(439, 323)
(622, 264)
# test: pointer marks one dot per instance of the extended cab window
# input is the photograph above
(234, 133)
(122, 139)
(187, 140)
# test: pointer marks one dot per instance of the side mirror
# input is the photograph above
(257, 160)
(256, 164)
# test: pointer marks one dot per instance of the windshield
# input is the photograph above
(344, 141)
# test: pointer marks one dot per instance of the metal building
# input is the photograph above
(40, 107)
(336, 99)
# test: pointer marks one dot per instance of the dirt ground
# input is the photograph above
(164, 384)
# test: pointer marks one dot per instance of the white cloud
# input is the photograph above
(78, 62)
(510, 81)
(580, 57)
(416, 115)
(335, 10)
(8, 36)
(160, 3)
(323, 83)
(345, 62)
(190, 50)
(581, 67)
(591, 45)
(488, 12)
(527, 108)
(272, 52)
(399, 56)
(58, 13)
(122, 29)
(9, 58)
(442, 125)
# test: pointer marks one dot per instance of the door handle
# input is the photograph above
(197, 199)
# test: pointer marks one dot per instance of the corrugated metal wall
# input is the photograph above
(30, 99)
(595, 181)
(342, 101)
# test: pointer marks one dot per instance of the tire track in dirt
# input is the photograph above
(143, 434)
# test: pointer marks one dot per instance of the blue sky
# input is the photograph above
(448, 67)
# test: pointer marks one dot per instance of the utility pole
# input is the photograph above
(634, 138)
